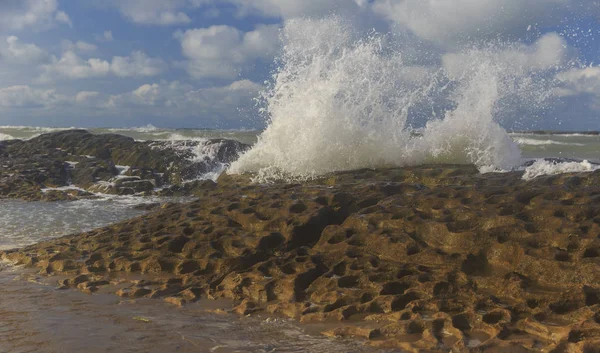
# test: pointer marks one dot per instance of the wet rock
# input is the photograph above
(468, 263)
(88, 161)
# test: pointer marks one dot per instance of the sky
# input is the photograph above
(202, 63)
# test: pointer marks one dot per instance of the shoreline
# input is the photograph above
(35, 316)
(429, 258)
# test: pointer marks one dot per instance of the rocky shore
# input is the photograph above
(73, 164)
(423, 259)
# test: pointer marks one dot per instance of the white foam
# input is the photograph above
(63, 188)
(533, 142)
(4, 137)
(202, 150)
(122, 169)
(341, 101)
(147, 128)
(544, 167)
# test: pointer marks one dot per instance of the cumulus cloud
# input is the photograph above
(14, 51)
(154, 12)
(23, 96)
(20, 14)
(452, 22)
(86, 96)
(549, 52)
(184, 98)
(580, 81)
(295, 8)
(224, 51)
(137, 64)
(72, 66)
(62, 17)
(106, 36)
(79, 46)
(161, 102)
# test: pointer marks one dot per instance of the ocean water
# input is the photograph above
(531, 145)
(144, 133)
(36, 317)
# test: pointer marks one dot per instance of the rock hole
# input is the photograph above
(493, 318)
(366, 297)
(591, 296)
(298, 207)
(348, 282)
(415, 327)
(591, 252)
(394, 288)
(401, 303)
(562, 256)
(461, 322)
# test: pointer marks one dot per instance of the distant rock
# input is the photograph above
(92, 162)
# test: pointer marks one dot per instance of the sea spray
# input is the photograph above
(342, 101)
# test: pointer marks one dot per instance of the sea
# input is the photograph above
(337, 101)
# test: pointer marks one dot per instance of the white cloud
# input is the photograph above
(174, 99)
(578, 81)
(549, 52)
(159, 102)
(297, 8)
(15, 52)
(20, 14)
(24, 96)
(79, 46)
(106, 36)
(454, 21)
(154, 12)
(138, 64)
(72, 66)
(224, 51)
(62, 17)
(86, 96)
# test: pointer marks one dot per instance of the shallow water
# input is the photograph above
(36, 317)
(23, 223)
(39, 318)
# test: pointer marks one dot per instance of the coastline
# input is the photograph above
(35, 316)
(430, 258)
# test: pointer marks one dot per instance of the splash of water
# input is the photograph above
(342, 101)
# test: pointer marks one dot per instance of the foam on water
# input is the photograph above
(203, 151)
(340, 101)
(4, 137)
(551, 167)
(533, 142)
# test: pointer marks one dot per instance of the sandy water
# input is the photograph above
(36, 317)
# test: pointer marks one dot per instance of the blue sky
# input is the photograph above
(200, 63)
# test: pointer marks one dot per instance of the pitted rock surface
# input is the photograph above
(424, 259)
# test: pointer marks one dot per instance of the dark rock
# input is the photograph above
(90, 161)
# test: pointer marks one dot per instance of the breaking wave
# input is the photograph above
(4, 137)
(339, 100)
(553, 167)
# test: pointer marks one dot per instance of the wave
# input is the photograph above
(36, 128)
(552, 167)
(533, 142)
(147, 128)
(339, 100)
(4, 137)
